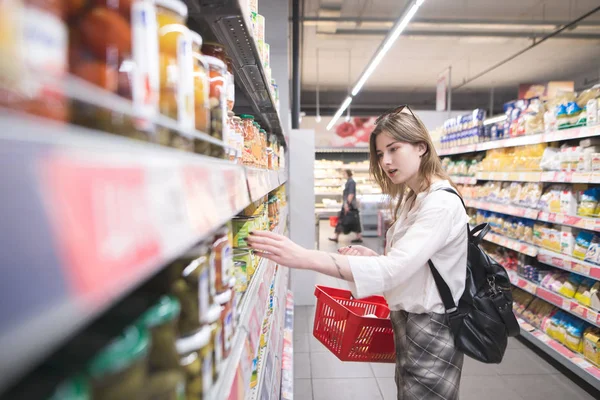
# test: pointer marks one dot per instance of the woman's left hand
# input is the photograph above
(278, 248)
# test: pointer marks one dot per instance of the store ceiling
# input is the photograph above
(468, 35)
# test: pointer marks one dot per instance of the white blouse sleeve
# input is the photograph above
(427, 234)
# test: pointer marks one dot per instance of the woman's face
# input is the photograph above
(400, 161)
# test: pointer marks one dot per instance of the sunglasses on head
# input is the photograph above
(394, 111)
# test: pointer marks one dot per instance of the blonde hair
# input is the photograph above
(407, 128)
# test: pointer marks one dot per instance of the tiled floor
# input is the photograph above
(319, 375)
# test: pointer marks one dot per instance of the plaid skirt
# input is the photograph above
(427, 364)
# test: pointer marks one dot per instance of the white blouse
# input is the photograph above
(435, 228)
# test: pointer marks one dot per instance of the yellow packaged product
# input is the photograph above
(591, 345)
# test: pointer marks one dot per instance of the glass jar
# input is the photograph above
(192, 286)
(234, 138)
(230, 84)
(221, 257)
(196, 360)
(176, 97)
(119, 371)
(166, 385)
(33, 57)
(216, 50)
(201, 86)
(216, 333)
(76, 388)
(218, 111)
(246, 256)
(161, 320)
(224, 300)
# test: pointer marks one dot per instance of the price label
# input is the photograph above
(592, 316)
(580, 268)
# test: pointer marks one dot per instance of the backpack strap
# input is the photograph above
(445, 292)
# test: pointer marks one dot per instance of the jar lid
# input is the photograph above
(214, 61)
(230, 114)
(223, 298)
(196, 38)
(174, 5)
(247, 116)
(123, 351)
(232, 282)
(166, 309)
(215, 45)
(193, 342)
(75, 388)
(256, 124)
(213, 314)
(236, 118)
(262, 130)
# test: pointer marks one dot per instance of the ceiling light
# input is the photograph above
(339, 112)
(387, 44)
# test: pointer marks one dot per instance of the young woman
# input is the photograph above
(430, 224)
(349, 219)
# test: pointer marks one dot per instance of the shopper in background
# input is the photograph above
(349, 218)
(430, 224)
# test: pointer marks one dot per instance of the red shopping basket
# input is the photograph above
(342, 326)
(333, 221)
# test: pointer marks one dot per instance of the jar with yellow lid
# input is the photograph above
(196, 360)
(176, 96)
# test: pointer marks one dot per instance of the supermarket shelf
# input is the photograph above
(364, 149)
(591, 224)
(251, 309)
(503, 208)
(569, 263)
(228, 22)
(287, 354)
(336, 194)
(261, 182)
(510, 176)
(564, 303)
(572, 361)
(574, 133)
(464, 180)
(512, 244)
(570, 177)
(105, 212)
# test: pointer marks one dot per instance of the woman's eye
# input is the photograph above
(393, 149)
(379, 155)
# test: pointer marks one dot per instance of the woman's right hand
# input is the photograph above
(357, 251)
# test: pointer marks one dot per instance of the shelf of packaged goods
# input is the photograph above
(108, 213)
(592, 224)
(555, 136)
(364, 149)
(575, 362)
(251, 309)
(262, 181)
(569, 263)
(516, 245)
(509, 176)
(228, 22)
(564, 303)
(287, 353)
(522, 212)
(464, 180)
(570, 177)
(270, 356)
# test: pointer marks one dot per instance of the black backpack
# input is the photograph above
(483, 319)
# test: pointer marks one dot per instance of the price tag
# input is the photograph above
(550, 297)
(580, 268)
(593, 370)
(592, 316)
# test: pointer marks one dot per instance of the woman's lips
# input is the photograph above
(392, 173)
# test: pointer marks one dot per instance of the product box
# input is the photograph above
(591, 346)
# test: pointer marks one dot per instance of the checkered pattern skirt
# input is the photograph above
(427, 364)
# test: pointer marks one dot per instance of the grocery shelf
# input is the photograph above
(516, 245)
(591, 224)
(503, 208)
(569, 263)
(510, 176)
(555, 136)
(261, 181)
(569, 359)
(105, 213)
(228, 22)
(336, 194)
(570, 177)
(287, 354)
(364, 149)
(564, 303)
(464, 180)
(252, 307)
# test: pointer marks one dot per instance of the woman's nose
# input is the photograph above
(387, 160)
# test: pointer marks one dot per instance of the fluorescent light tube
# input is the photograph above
(339, 112)
(387, 44)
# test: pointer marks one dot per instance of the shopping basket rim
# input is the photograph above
(319, 289)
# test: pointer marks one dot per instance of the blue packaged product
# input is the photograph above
(582, 243)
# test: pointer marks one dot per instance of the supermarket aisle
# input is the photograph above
(319, 375)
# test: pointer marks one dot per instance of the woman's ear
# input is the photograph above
(422, 149)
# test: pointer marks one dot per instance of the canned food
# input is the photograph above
(242, 226)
